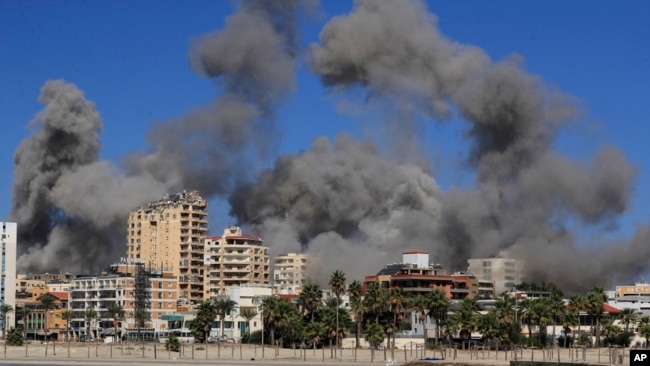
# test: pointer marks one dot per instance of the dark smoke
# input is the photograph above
(349, 205)
(71, 208)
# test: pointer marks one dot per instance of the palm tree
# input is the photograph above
(47, 300)
(421, 305)
(644, 331)
(506, 312)
(526, 315)
(398, 302)
(570, 320)
(489, 325)
(248, 314)
(438, 308)
(337, 286)
(223, 307)
(4, 310)
(89, 315)
(115, 311)
(467, 316)
(610, 331)
(557, 309)
(543, 316)
(141, 316)
(628, 316)
(315, 330)
(596, 297)
(271, 312)
(206, 312)
(24, 312)
(375, 300)
(356, 305)
(67, 315)
(310, 299)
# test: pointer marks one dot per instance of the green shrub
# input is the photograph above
(14, 337)
(173, 344)
(199, 348)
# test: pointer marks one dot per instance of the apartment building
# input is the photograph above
(234, 259)
(8, 242)
(170, 233)
(119, 286)
(290, 273)
(503, 269)
(42, 323)
(638, 289)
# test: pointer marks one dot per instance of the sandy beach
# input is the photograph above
(244, 354)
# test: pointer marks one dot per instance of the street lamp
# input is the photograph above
(514, 291)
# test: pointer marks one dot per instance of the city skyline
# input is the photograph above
(138, 73)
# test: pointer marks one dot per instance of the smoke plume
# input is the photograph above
(71, 208)
(350, 204)
(356, 205)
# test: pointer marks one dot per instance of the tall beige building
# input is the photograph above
(169, 234)
(234, 259)
(290, 273)
(504, 270)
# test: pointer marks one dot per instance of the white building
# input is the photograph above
(290, 273)
(8, 242)
(246, 297)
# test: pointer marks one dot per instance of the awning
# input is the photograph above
(175, 318)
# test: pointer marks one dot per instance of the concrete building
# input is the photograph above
(638, 289)
(170, 233)
(504, 270)
(290, 273)
(246, 297)
(234, 259)
(44, 323)
(8, 243)
(98, 292)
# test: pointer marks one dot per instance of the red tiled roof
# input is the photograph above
(60, 295)
(610, 309)
(415, 251)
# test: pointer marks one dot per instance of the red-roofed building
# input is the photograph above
(234, 259)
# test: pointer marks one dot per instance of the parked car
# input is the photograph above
(213, 339)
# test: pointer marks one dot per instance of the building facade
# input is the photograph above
(8, 243)
(170, 234)
(290, 273)
(234, 259)
(638, 289)
(504, 270)
(119, 286)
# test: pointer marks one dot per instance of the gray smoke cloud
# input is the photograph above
(71, 208)
(340, 201)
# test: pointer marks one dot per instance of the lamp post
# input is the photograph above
(514, 291)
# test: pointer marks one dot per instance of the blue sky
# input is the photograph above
(130, 58)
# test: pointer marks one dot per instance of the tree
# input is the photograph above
(467, 316)
(644, 331)
(490, 326)
(438, 308)
(628, 316)
(398, 302)
(205, 315)
(90, 315)
(310, 299)
(115, 311)
(14, 338)
(315, 330)
(4, 310)
(596, 297)
(557, 308)
(506, 312)
(173, 344)
(356, 305)
(421, 305)
(570, 320)
(67, 316)
(543, 316)
(141, 316)
(47, 300)
(24, 313)
(248, 314)
(337, 286)
(224, 307)
(374, 335)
